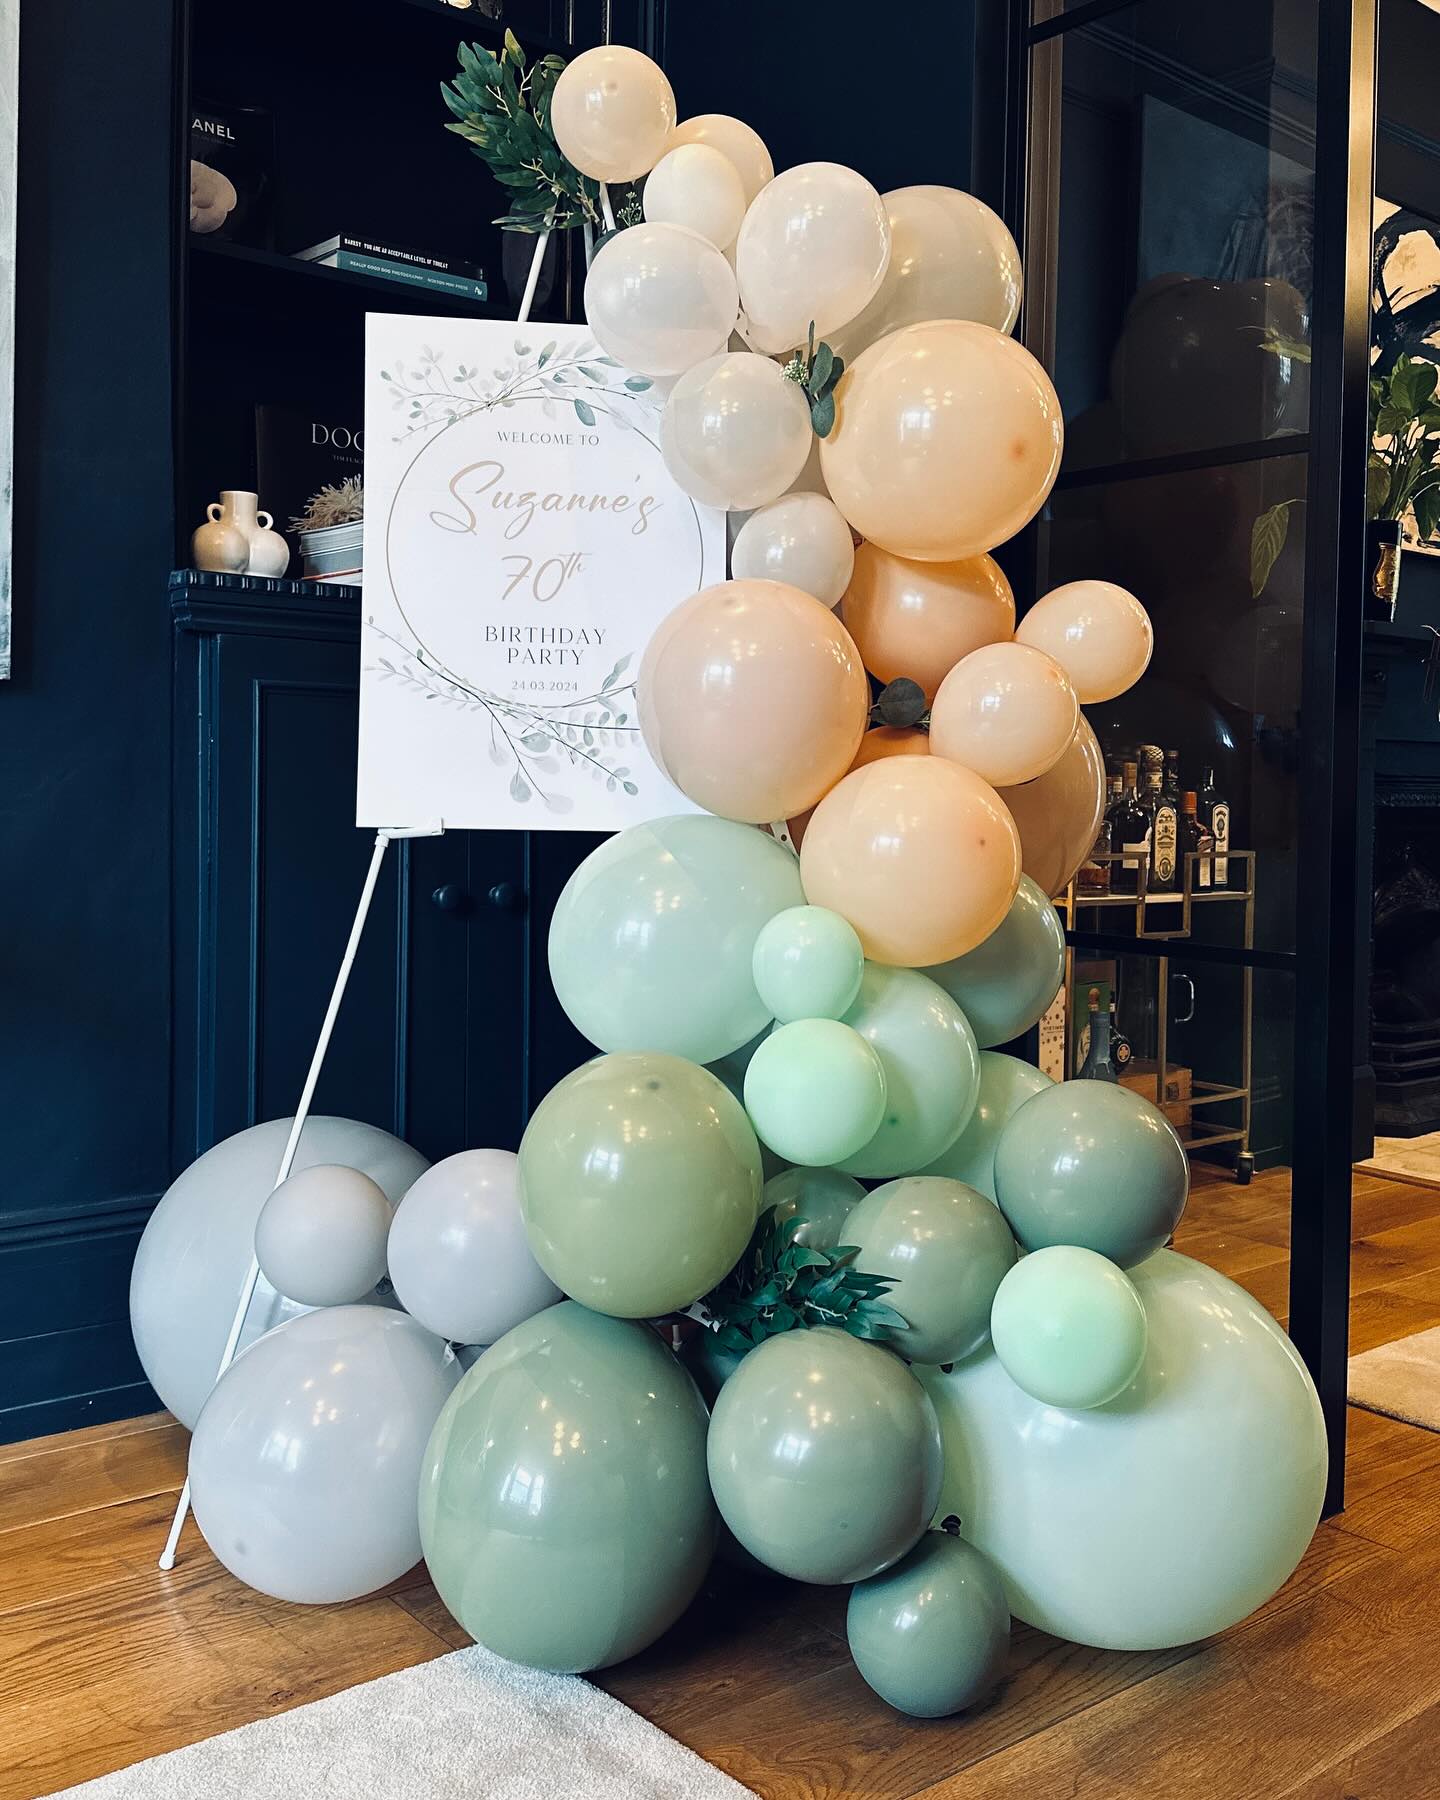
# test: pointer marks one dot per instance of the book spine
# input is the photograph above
(357, 264)
(416, 259)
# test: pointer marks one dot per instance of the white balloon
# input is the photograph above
(735, 431)
(733, 138)
(660, 298)
(320, 1237)
(696, 186)
(800, 539)
(1006, 711)
(1099, 634)
(611, 112)
(813, 249)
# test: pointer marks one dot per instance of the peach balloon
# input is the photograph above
(752, 699)
(947, 439)
(920, 855)
(882, 741)
(1006, 711)
(1099, 634)
(919, 618)
(1059, 814)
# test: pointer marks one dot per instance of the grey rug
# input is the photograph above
(466, 1726)
(1401, 1380)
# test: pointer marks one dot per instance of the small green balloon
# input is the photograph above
(639, 1184)
(1006, 1084)
(564, 1508)
(1090, 1163)
(1006, 983)
(653, 936)
(947, 1250)
(808, 963)
(1068, 1327)
(931, 1634)
(819, 1200)
(824, 1456)
(931, 1064)
(815, 1091)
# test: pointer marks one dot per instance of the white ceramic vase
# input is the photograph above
(267, 552)
(219, 545)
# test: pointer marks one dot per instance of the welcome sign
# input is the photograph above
(523, 541)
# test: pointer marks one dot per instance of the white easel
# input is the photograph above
(383, 840)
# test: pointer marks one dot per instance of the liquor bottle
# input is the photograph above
(1122, 1052)
(1098, 1065)
(1197, 837)
(1094, 874)
(1214, 813)
(1164, 824)
(1130, 835)
(1172, 777)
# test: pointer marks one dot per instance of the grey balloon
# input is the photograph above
(459, 1257)
(305, 1464)
(195, 1252)
(320, 1238)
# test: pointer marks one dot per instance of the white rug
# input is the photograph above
(466, 1727)
(1401, 1380)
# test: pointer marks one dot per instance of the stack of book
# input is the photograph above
(411, 268)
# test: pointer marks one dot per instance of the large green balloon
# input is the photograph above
(639, 1184)
(1090, 1163)
(824, 1456)
(1169, 1513)
(564, 1509)
(931, 1064)
(653, 936)
(1006, 1084)
(815, 1091)
(930, 1635)
(1068, 1326)
(946, 1248)
(819, 1200)
(1005, 984)
(808, 964)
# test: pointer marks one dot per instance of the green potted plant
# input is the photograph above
(331, 529)
(1403, 477)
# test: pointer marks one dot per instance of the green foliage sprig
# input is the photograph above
(502, 110)
(779, 1285)
(817, 369)
(1404, 468)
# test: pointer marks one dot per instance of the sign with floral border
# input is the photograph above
(523, 541)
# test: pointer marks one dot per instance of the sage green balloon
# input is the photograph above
(1005, 984)
(1006, 1084)
(946, 1248)
(818, 1200)
(931, 1634)
(1090, 1163)
(1068, 1327)
(653, 936)
(815, 1091)
(807, 964)
(639, 1183)
(824, 1456)
(564, 1508)
(931, 1064)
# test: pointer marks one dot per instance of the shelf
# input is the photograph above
(402, 294)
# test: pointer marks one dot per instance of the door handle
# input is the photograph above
(508, 896)
(450, 898)
(1189, 1014)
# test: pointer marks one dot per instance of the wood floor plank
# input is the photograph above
(1380, 1451)
(78, 1552)
(1398, 1764)
(74, 1478)
(1400, 1513)
(1382, 1315)
(86, 1434)
(1382, 1257)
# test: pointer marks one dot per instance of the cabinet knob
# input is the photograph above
(508, 896)
(450, 898)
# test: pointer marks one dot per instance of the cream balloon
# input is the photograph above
(732, 138)
(1099, 634)
(696, 186)
(1006, 711)
(660, 298)
(947, 440)
(813, 250)
(916, 853)
(1059, 814)
(611, 112)
(950, 258)
(800, 539)
(735, 432)
(919, 618)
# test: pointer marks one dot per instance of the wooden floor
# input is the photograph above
(1331, 1691)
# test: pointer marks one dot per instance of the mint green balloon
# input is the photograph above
(653, 936)
(1006, 1084)
(815, 1091)
(807, 964)
(564, 1507)
(931, 1634)
(1005, 984)
(824, 1456)
(639, 1183)
(818, 1200)
(931, 1064)
(947, 1250)
(1068, 1327)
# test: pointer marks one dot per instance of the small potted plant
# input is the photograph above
(331, 529)
(1403, 478)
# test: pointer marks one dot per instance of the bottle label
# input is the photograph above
(1135, 853)
(1220, 831)
(1202, 871)
(1165, 844)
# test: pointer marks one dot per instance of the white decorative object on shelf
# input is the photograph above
(219, 544)
(234, 524)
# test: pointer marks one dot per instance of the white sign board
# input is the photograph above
(522, 542)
